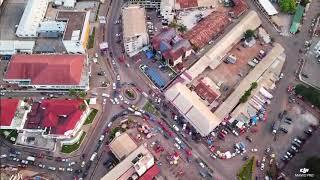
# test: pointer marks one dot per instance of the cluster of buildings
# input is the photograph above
(194, 94)
(136, 162)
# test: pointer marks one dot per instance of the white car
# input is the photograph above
(3, 156)
(69, 169)
(61, 169)
(118, 34)
(281, 75)
(116, 101)
(112, 101)
(177, 140)
(65, 160)
(201, 164)
(262, 167)
(126, 102)
(83, 164)
(254, 150)
(72, 163)
(121, 97)
(104, 101)
(177, 146)
(109, 124)
(114, 86)
(105, 95)
(113, 62)
(118, 77)
(175, 117)
(175, 128)
(42, 165)
(264, 159)
(52, 168)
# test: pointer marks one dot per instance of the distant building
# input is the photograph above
(76, 34)
(9, 47)
(149, 4)
(32, 16)
(171, 46)
(54, 72)
(13, 113)
(135, 35)
(57, 118)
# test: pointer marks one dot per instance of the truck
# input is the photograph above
(31, 158)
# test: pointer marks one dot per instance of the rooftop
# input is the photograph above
(57, 114)
(207, 29)
(240, 6)
(181, 4)
(122, 146)
(151, 173)
(46, 69)
(268, 7)
(296, 19)
(75, 23)
(133, 20)
(206, 91)
(8, 109)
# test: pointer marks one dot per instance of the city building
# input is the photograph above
(32, 16)
(52, 71)
(171, 46)
(133, 166)
(149, 4)
(207, 29)
(13, 113)
(268, 7)
(57, 118)
(76, 33)
(240, 6)
(52, 29)
(122, 146)
(215, 55)
(135, 35)
(207, 90)
(192, 108)
(9, 47)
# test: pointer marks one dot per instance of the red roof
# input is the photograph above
(8, 108)
(239, 8)
(207, 29)
(151, 173)
(47, 69)
(187, 3)
(205, 92)
(59, 114)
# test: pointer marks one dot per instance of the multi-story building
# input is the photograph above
(135, 35)
(152, 4)
(50, 72)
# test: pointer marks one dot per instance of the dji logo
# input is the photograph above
(304, 170)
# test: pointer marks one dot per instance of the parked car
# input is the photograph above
(52, 168)
(177, 146)
(61, 169)
(249, 138)
(284, 130)
(262, 167)
(69, 169)
(175, 128)
(71, 163)
(308, 132)
(41, 165)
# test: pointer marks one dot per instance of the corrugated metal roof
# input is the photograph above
(122, 146)
(296, 19)
(268, 7)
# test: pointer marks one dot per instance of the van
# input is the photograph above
(93, 156)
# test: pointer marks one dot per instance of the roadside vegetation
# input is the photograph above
(91, 38)
(246, 170)
(247, 93)
(77, 93)
(310, 94)
(91, 117)
(288, 6)
(9, 134)
(73, 147)
(148, 107)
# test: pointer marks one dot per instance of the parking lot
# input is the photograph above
(10, 17)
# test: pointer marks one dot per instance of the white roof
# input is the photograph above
(122, 146)
(56, 26)
(69, 3)
(190, 105)
(10, 47)
(134, 22)
(31, 18)
(253, 76)
(268, 7)
(214, 56)
(125, 165)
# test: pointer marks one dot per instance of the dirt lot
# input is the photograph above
(231, 74)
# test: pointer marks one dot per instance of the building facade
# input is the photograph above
(149, 4)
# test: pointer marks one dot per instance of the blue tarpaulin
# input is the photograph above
(155, 77)
(149, 54)
(254, 119)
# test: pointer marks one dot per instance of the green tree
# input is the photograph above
(249, 34)
(82, 94)
(254, 85)
(182, 28)
(82, 107)
(287, 6)
(72, 92)
(304, 2)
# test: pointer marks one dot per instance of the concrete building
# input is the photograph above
(192, 108)
(13, 113)
(133, 166)
(135, 35)
(122, 146)
(54, 72)
(51, 29)
(149, 4)
(9, 47)
(32, 16)
(76, 34)
(215, 55)
(207, 90)
(167, 10)
(268, 7)
(57, 118)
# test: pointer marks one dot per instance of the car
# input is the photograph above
(83, 163)
(284, 159)
(308, 132)
(121, 97)
(41, 165)
(288, 118)
(289, 154)
(118, 77)
(294, 148)
(126, 102)
(112, 101)
(116, 100)
(297, 140)
(258, 163)
(104, 101)
(175, 128)
(296, 144)
(114, 87)
(262, 167)
(267, 151)
(109, 124)
(51, 168)
(213, 156)
(177, 146)
(201, 164)
(61, 169)
(249, 138)
(105, 95)
(69, 169)
(178, 140)
(281, 75)
(287, 121)
(3, 156)
(118, 34)
(263, 159)
(65, 160)
(284, 130)
(254, 150)
(71, 163)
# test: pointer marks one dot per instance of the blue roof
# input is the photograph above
(155, 77)
(149, 54)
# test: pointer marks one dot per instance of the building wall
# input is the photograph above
(147, 3)
(85, 32)
(133, 45)
(56, 87)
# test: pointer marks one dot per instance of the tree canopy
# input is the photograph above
(287, 6)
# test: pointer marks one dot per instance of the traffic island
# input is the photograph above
(130, 94)
(246, 170)
(91, 117)
(149, 107)
(69, 148)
